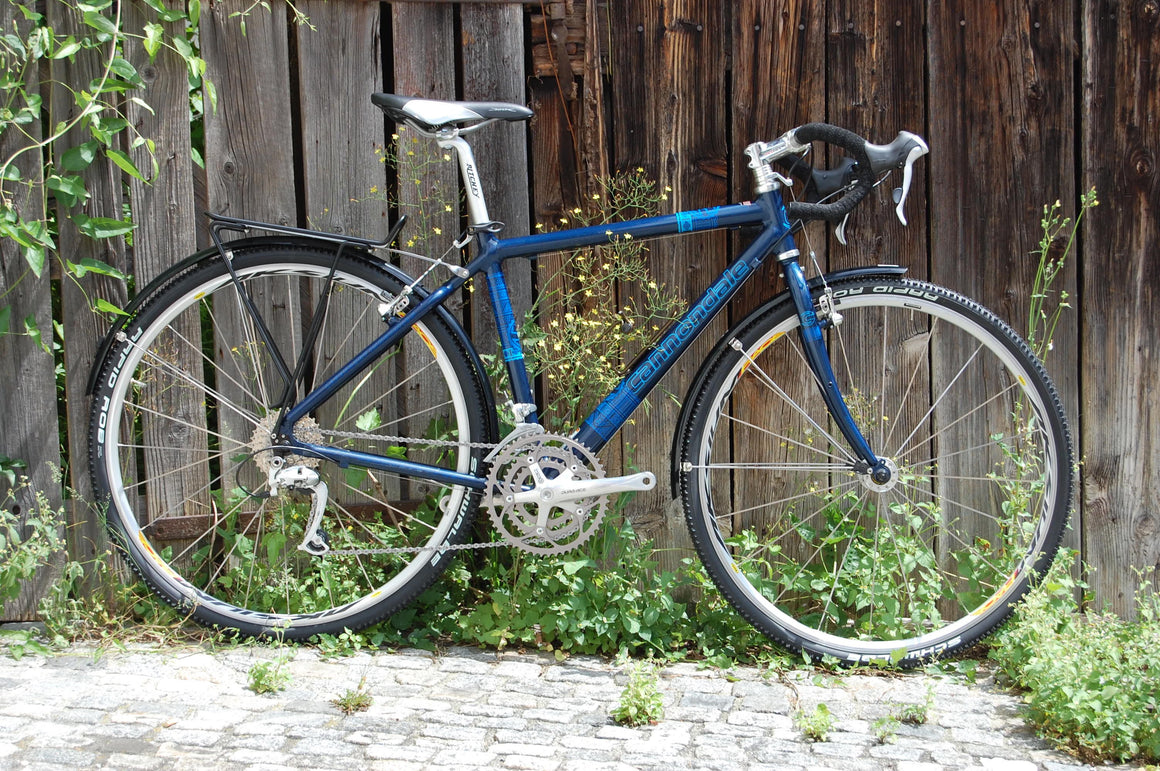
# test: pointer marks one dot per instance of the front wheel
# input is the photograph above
(184, 444)
(820, 557)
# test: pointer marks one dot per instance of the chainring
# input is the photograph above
(537, 521)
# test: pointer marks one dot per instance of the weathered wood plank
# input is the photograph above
(669, 119)
(249, 162)
(568, 150)
(493, 69)
(166, 233)
(874, 81)
(83, 328)
(423, 51)
(1001, 95)
(339, 67)
(28, 421)
(1121, 458)
(778, 82)
(343, 134)
(249, 141)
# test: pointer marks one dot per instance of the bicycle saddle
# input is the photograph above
(434, 114)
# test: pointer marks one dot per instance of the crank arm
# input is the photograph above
(562, 490)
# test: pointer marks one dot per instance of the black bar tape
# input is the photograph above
(864, 179)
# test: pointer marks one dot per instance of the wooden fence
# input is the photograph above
(1022, 104)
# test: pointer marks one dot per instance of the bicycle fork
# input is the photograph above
(881, 474)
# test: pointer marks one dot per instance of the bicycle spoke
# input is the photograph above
(766, 380)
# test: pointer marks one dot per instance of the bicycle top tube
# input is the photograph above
(714, 218)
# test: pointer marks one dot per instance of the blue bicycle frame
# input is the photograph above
(616, 408)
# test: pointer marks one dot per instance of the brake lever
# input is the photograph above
(900, 193)
(840, 231)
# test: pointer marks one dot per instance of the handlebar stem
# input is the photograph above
(762, 154)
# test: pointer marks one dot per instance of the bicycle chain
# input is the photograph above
(418, 549)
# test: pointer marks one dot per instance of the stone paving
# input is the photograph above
(186, 708)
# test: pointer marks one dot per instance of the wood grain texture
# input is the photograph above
(249, 139)
(27, 371)
(669, 116)
(778, 81)
(423, 55)
(165, 234)
(1001, 101)
(493, 69)
(84, 328)
(1120, 303)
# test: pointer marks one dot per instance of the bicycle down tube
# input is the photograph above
(611, 414)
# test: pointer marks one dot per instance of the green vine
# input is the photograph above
(43, 167)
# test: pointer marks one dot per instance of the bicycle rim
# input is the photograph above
(183, 447)
(818, 556)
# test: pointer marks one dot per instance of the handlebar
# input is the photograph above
(857, 173)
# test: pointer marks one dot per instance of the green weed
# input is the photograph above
(1092, 680)
(269, 676)
(815, 725)
(916, 714)
(355, 699)
(640, 701)
(885, 729)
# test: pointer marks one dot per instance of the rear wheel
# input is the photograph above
(822, 558)
(183, 445)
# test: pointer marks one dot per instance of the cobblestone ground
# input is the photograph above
(465, 709)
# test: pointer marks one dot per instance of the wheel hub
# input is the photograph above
(882, 478)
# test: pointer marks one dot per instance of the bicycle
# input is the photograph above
(293, 437)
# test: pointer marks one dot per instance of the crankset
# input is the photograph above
(549, 493)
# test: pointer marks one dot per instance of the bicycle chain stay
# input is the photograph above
(428, 443)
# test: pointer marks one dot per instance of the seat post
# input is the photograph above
(476, 204)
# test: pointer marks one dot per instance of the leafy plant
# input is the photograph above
(90, 601)
(1055, 246)
(341, 645)
(28, 537)
(270, 675)
(885, 729)
(640, 701)
(585, 323)
(815, 725)
(355, 699)
(1092, 681)
(38, 167)
(9, 468)
(916, 714)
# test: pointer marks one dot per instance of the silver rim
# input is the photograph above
(797, 494)
(222, 421)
